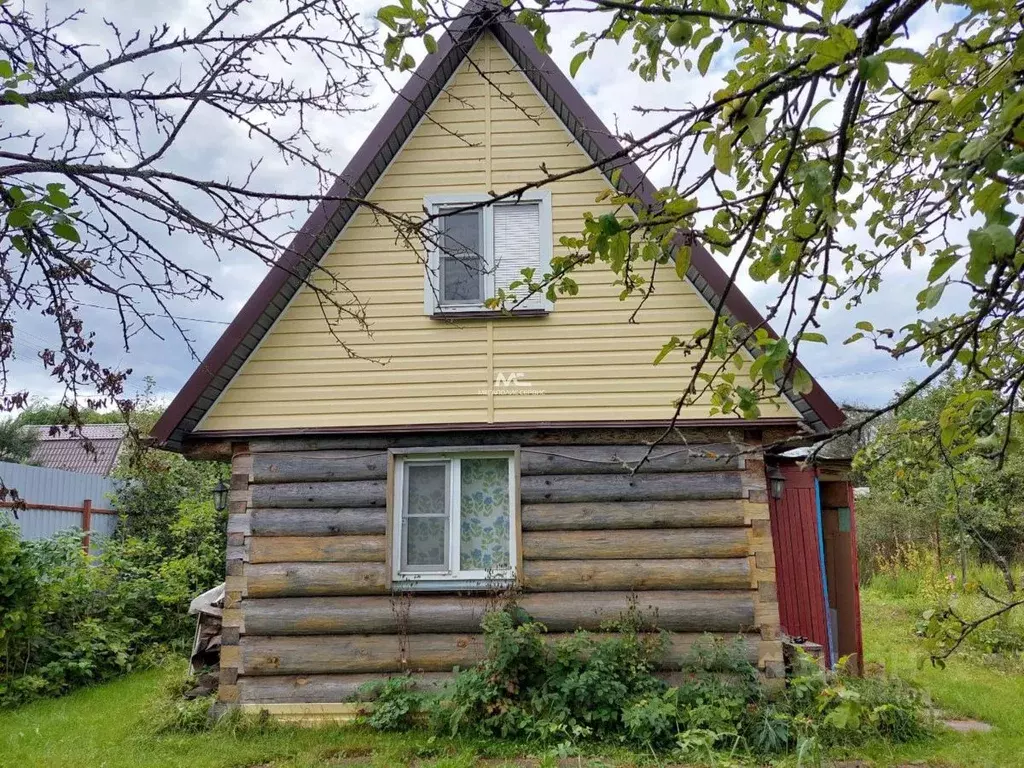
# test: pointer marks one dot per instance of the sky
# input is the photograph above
(850, 374)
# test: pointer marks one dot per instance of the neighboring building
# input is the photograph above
(93, 452)
(374, 502)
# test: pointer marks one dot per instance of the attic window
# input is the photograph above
(478, 251)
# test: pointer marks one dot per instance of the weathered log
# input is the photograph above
(587, 575)
(328, 689)
(729, 434)
(678, 611)
(325, 689)
(352, 493)
(319, 549)
(635, 545)
(358, 654)
(317, 466)
(309, 579)
(670, 486)
(619, 459)
(613, 515)
(382, 654)
(318, 522)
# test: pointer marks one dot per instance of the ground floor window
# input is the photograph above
(454, 519)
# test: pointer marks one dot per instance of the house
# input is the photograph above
(94, 451)
(376, 503)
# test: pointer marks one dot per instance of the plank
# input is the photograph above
(642, 544)
(672, 486)
(317, 466)
(318, 521)
(632, 515)
(351, 493)
(317, 549)
(586, 575)
(309, 579)
(677, 611)
(618, 459)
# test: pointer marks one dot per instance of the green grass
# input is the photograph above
(968, 687)
(112, 725)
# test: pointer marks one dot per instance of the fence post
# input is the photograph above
(86, 523)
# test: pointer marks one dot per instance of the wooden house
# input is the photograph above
(376, 498)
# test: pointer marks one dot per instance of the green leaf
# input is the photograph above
(15, 98)
(865, 325)
(1003, 240)
(1014, 164)
(430, 43)
(576, 63)
(388, 15)
(930, 296)
(815, 338)
(67, 232)
(723, 154)
(6, 70)
(901, 56)
(666, 348)
(942, 265)
(757, 128)
(18, 218)
(682, 260)
(874, 71)
(709, 51)
(802, 381)
(982, 253)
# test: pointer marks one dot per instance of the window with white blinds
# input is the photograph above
(480, 250)
(517, 246)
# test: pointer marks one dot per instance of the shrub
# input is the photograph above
(396, 704)
(602, 688)
(571, 690)
(68, 619)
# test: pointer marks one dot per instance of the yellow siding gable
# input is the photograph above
(584, 362)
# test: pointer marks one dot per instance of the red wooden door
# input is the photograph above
(795, 538)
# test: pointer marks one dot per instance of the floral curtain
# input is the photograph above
(485, 514)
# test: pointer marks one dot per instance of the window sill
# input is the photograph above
(486, 314)
(452, 585)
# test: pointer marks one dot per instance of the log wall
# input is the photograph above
(310, 613)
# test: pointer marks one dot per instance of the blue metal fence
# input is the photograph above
(55, 500)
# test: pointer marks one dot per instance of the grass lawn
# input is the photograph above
(111, 725)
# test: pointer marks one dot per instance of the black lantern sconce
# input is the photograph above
(220, 496)
(776, 482)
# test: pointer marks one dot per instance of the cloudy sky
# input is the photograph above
(851, 374)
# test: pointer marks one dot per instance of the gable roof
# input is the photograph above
(65, 451)
(306, 249)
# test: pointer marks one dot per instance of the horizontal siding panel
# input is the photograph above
(343, 405)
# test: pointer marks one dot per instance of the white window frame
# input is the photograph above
(436, 204)
(451, 578)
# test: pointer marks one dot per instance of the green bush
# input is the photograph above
(603, 688)
(68, 619)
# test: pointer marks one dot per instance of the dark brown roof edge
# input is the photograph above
(484, 426)
(818, 408)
